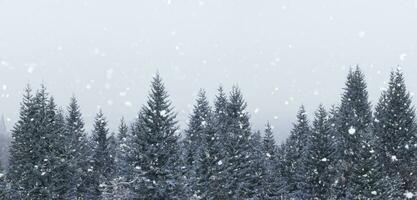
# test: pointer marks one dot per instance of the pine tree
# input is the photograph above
(257, 168)
(20, 159)
(395, 128)
(217, 140)
(35, 156)
(63, 170)
(123, 149)
(242, 180)
(295, 158)
(320, 155)
(156, 149)
(273, 181)
(195, 145)
(356, 159)
(109, 190)
(102, 160)
(77, 149)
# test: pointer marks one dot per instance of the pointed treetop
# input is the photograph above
(221, 101)
(268, 129)
(123, 129)
(236, 98)
(268, 139)
(302, 115)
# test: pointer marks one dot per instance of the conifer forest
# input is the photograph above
(208, 100)
(351, 150)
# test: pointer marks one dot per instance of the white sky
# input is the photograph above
(282, 53)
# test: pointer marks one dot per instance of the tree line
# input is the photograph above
(349, 151)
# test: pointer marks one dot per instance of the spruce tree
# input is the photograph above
(35, 158)
(102, 160)
(295, 158)
(320, 155)
(64, 169)
(241, 180)
(356, 159)
(217, 140)
(123, 149)
(395, 128)
(257, 167)
(195, 145)
(273, 181)
(77, 149)
(156, 148)
(20, 160)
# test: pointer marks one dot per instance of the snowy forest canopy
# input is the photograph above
(347, 151)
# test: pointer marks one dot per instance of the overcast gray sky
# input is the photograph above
(282, 53)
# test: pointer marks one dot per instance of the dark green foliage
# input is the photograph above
(395, 129)
(355, 155)
(156, 149)
(217, 140)
(36, 155)
(194, 148)
(77, 150)
(273, 184)
(102, 158)
(346, 153)
(320, 155)
(295, 159)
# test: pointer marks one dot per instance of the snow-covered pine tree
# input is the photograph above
(33, 157)
(64, 187)
(123, 149)
(257, 167)
(217, 140)
(102, 161)
(77, 148)
(356, 159)
(273, 182)
(320, 154)
(395, 128)
(123, 173)
(194, 147)
(109, 190)
(156, 149)
(241, 179)
(296, 149)
(21, 166)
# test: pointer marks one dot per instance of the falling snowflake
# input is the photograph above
(31, 68)
(402, 56)
(408, 195)
(352, 131)
(394, 158)
(220, 163)
(128, 104)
